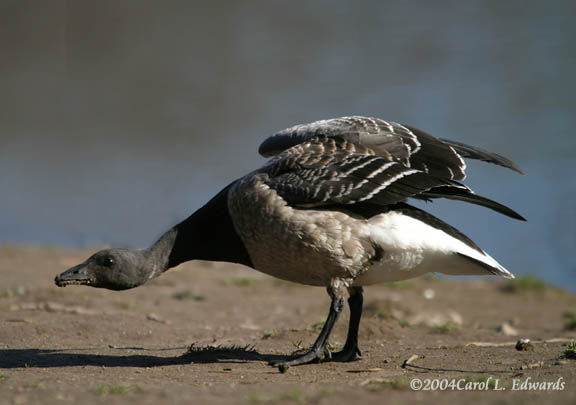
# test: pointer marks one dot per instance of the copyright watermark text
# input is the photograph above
(488, 384)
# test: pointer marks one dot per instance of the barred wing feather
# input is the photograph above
(410, 146)
(333, 171)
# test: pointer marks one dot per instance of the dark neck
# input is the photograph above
(208, 234)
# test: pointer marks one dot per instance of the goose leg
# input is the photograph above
(319, 350)
(350, 351)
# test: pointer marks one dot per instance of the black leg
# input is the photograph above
(350, 351)
(319, 350)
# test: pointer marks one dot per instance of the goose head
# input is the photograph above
(113, 269)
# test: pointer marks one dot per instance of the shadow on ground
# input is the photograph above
(46, 358)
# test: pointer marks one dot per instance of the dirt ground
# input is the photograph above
(84, 345)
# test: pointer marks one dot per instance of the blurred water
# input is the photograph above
(118, 119)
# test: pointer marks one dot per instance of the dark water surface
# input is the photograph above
(117, 119)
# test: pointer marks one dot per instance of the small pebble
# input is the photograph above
(154, 317)
(429, 293)
(524, 345)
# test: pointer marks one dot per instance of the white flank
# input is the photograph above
(411, 248)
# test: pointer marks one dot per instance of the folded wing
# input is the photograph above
(330, 170)
(410, 146)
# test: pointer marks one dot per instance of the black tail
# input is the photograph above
(472, 152)
(468, 196)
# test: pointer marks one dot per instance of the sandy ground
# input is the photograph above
(83, 345)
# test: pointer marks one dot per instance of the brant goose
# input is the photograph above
(329, 209)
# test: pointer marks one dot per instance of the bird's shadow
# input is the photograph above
(46, 358)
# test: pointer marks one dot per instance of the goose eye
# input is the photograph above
(106, 261)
